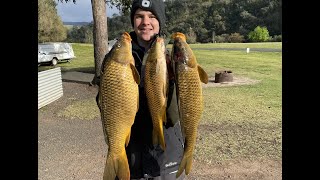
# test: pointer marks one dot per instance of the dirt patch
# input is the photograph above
(74, 148)
(237, 81)
(237, 170)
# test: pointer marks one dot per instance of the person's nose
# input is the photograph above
(146, 20)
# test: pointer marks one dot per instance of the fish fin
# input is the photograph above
(203, 75)
(165, 95)
(135, 73)
(109, 169)
(185, 164)
(98, 99)
(158, 137)
(164, 114)
(117, 166)
(104, 130)
(165, 88)
(128, 138)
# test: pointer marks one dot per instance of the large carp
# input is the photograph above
(188, 76)
(118, 103)
(156, 87)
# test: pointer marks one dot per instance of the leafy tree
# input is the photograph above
(117, 25)
(216, 17)
(188, 15)
(259, 34)
(272, 16)
(50, 26)
(100, 30)
(81, 34)
(176, 17)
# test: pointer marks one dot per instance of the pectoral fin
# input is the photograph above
(203, 75)
(164, 114)
(135, 73)
(128, 138)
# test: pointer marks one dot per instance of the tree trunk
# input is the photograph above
(100, 35)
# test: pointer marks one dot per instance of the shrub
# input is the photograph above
(235, 38)
(191, 37)
(276, 38)
(259, 34)
(222, 38)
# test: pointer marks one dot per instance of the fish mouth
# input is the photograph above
(179, 35)
(126, 36)
(160, 40)
(179, 52)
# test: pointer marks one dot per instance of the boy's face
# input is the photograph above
(145, 24)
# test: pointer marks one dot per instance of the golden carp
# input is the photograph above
(118, 102)
(188, 76)
(156, 87)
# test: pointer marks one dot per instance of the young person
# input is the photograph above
(145, 159)
(148, 161)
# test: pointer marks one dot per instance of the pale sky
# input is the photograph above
(79, 12)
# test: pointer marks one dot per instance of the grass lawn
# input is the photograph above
(238, 122)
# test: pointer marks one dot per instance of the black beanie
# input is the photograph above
(155, 6)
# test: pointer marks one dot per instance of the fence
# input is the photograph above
(49, 86)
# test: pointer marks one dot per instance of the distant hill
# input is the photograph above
(76, 23)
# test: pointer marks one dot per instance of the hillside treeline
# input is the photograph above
(205, 21)
(50, 26)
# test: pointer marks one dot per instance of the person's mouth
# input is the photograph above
(145, 30)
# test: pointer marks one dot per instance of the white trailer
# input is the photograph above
(53, 52)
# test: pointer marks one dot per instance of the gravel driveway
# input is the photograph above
(74, 148)
(70, 149)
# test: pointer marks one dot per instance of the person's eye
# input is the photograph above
(138, 17)
(152, 16)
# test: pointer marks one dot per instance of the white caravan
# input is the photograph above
(52, 52)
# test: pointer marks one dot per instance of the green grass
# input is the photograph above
(84, 61)
(273, 45)
(238, 122)
(84, 109)
(241, 121)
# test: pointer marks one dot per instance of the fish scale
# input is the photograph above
(118, 102)
(156, 86)
(190, 104)
(188, 76)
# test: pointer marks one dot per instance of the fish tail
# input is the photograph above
(117, 166)
(185, 164)
(158, 137)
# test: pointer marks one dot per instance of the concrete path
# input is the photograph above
(78, 77)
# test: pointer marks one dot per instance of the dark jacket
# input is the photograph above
(145, 159)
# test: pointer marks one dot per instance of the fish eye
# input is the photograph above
(118, 45)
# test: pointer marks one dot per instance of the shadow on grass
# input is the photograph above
(89, 70)
(77, 81)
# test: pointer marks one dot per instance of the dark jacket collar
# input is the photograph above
(135, 45)
(137, 51)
